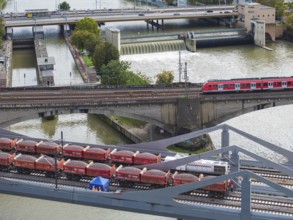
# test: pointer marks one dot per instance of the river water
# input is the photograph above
(273, 124)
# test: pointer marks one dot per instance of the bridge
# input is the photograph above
(103, 16)
(173, 109)
(250, 201)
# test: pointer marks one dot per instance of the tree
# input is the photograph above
(79, 38)
(289, 21)
(118, 73)
(64, 6)
(88, 24)
(104, 53)
(91, 42)
(165, 77)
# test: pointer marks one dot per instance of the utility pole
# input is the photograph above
(186, 80)
(180, 67)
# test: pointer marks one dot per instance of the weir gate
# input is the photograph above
(261, 189)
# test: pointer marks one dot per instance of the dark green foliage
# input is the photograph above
(118, 73)
(104, 53)
(64, 6)
(79, 38)
(88, 24)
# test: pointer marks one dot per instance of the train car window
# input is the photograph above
(257, 84)
(247, 85)
(210, 86)
(265, 84)
(215, 87)
(242, 85)
(225, 86)
(289, 83)
(279, 83)
(232, 86)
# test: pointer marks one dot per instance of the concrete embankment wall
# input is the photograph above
(121, 129)
(6, 67)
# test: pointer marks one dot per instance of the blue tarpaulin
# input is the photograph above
(100, 182)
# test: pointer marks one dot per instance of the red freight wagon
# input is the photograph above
(73, 151)
(156, 177)
(74, 169)
(48, 148)
(218, 187)
(100, 169)
(47, 163)
(26, 146)
(95, 153)
(128, 174)
(24, 163)
(6, 159)
(146, 158)
(7, 144)
(183, 178)
(122, 156)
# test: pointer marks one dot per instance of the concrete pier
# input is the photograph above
(45, 64)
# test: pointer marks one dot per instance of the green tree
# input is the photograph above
(119, 73)
(289, 21)
(64, 6)
(88, 24)
(165, 77)
(91, 42)
(104, 53)
(290, 5)
(79, 38)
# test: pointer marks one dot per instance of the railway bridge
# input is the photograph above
(258, 196)
(173, 109)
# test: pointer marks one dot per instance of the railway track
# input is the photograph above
(269, 204)
(282, 206)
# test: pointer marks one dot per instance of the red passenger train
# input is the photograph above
(248, 85)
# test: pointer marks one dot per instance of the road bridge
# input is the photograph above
(256, 203)
(20, 20)
(174, 109)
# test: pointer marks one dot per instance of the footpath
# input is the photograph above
(80, 64)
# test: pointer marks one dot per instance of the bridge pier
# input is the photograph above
(38, 32)
(155, 24)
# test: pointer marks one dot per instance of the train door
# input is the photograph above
(237, 86)
(284, 84)
(253, 85)
(220, 87)
(270, 85)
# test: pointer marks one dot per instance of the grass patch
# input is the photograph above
(180, 150)
(128, 121)
(87, 60)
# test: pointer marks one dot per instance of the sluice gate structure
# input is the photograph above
(154, 43)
